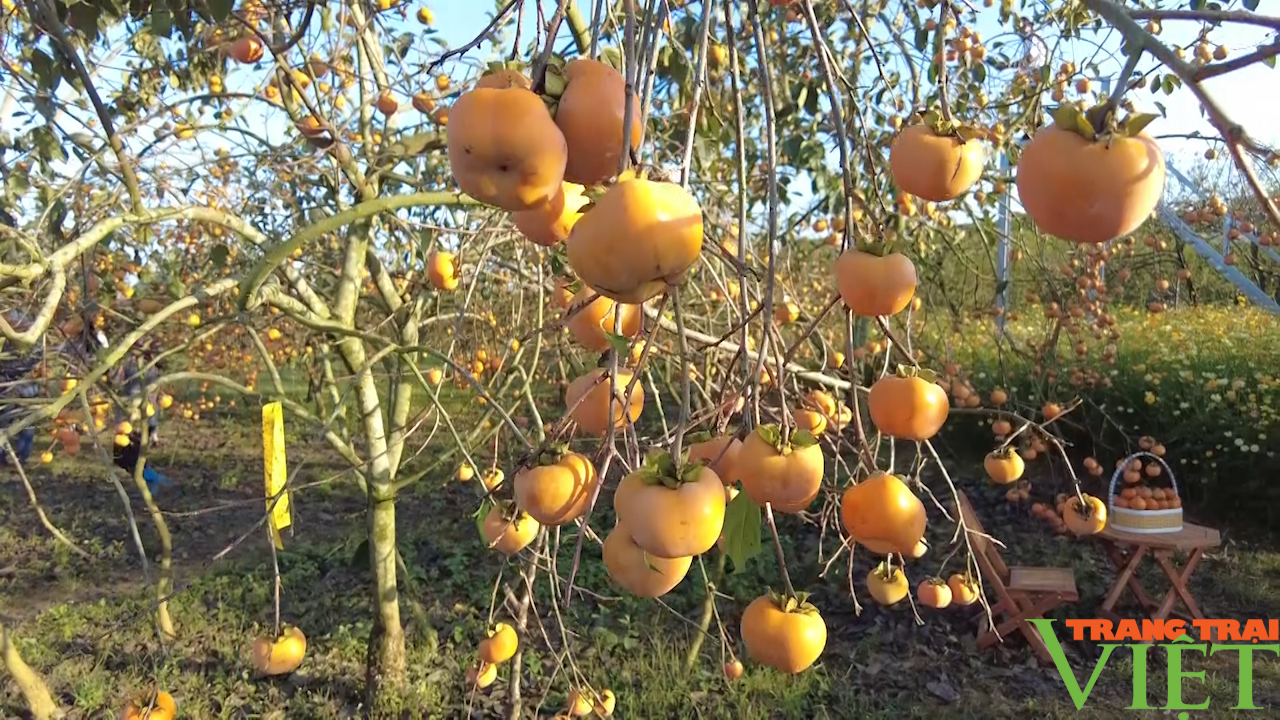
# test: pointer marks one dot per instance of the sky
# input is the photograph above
(1244, 95)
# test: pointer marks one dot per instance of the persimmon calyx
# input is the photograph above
(910, 371)
(797, 603)
(942, 127)
(660, 468)
(554, 82)
(550, 455)
(885, 572)
(698, 437)
(1100, 122)
(935, 580)
(772, 435)
(1003, 453)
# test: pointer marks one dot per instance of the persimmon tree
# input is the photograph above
(728, 209)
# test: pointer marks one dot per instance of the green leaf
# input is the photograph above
(1251, 4)
(219, 10)
(161, 22)
(742, 531)
(803, 439)
(1137, 122)
(771, 434)
(621, 344)
(698, 437)
(486, 505)
(46, 70)
(218, 255)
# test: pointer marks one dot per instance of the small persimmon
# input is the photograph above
(934, 593)
(1087, 518)
(1004, 466)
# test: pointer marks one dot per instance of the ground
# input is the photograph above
(86, 626)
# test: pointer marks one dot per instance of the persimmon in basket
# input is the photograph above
(1144, 497)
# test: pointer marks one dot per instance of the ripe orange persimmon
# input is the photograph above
(509, 532)
(504, 78)
(158, 705)
(247, 49)
(500, 644)
(442, 272)
(1089, 191)
(1004, 466)
(1087, 519)
(557, 493)
(279, 656)
(964, 591)
(550, 224)
(873, 285)
(671, 513)
(638, 572)
(786, 474)
(587, 399)
(932, 166)
(883, 514)
(934, 593)
(888, 586)
(504, 148)
(721, 455)
(591, 113)
(908, 407)
(596, 318)
(638, 238)
(810, 420)
(786, 634)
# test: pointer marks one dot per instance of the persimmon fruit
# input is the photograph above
(500, 644)
(872, 285)
(591, 113)
(1088, 518)
(587, 399)
(932, 166)
(549, 224)
(883, 514)
(1089, 190)
(786, 634)
(592, 324)
(155, 706)
(1004, 466)
(887, 585)
(504, 148)
(556, 493)
(281, 655)
(933, 593)
(908, 407)
(784, 473)
(639, 237)
(671, 514)
(721, 455)
(638, 572)
(509, 532)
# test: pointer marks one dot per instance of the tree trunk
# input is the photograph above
(386, 659)
(29, 683)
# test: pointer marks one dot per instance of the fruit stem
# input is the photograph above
(275, 575)
(1122, 86)
(682, 423)
(777, 546)
(940, 53)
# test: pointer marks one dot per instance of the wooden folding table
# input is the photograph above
(1126, 551)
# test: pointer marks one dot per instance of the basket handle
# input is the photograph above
(1115, 476)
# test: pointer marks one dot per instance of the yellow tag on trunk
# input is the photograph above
(274, 466)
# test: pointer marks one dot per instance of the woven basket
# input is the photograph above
(1142, 522)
